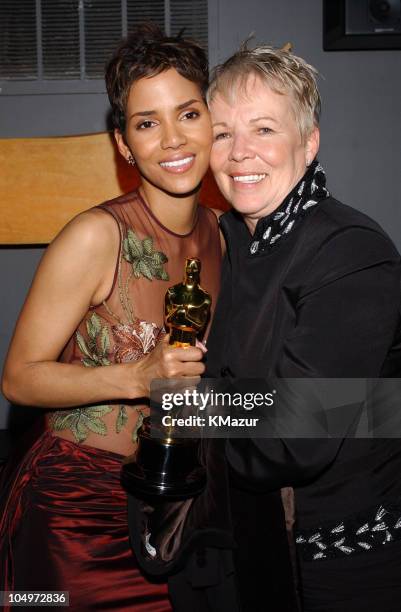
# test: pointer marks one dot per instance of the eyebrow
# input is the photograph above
(224, 124)
(185, 104)
(263, 119)
(148, 113)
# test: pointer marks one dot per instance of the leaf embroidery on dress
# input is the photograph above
(82, 421)
(138, 425)
(122, 418)
(144, 259)
(95, 349)
(135, 341)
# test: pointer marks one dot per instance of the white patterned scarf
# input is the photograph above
(307, 193)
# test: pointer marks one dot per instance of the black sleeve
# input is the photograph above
(347, 315)
(217, 337)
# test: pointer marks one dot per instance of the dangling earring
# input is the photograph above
(131, 160)
(308, 163)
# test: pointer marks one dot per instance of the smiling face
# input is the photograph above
(168, 132)
(258, 154)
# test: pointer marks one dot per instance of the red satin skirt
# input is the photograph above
(63, 527)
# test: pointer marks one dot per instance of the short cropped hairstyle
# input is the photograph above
(282, 71)
(147, 52)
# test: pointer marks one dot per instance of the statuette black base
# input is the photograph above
(164, 468)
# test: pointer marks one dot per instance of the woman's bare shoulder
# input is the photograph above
(93, 228)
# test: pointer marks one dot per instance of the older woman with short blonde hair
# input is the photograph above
(311, 289)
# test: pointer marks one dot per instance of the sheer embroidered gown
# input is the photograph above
(63, 522)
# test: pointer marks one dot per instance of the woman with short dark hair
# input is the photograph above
(90, 337)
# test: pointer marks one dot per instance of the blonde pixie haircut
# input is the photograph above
(282, 71)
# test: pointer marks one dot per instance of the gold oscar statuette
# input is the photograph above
(169, 466)
(187, 307)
